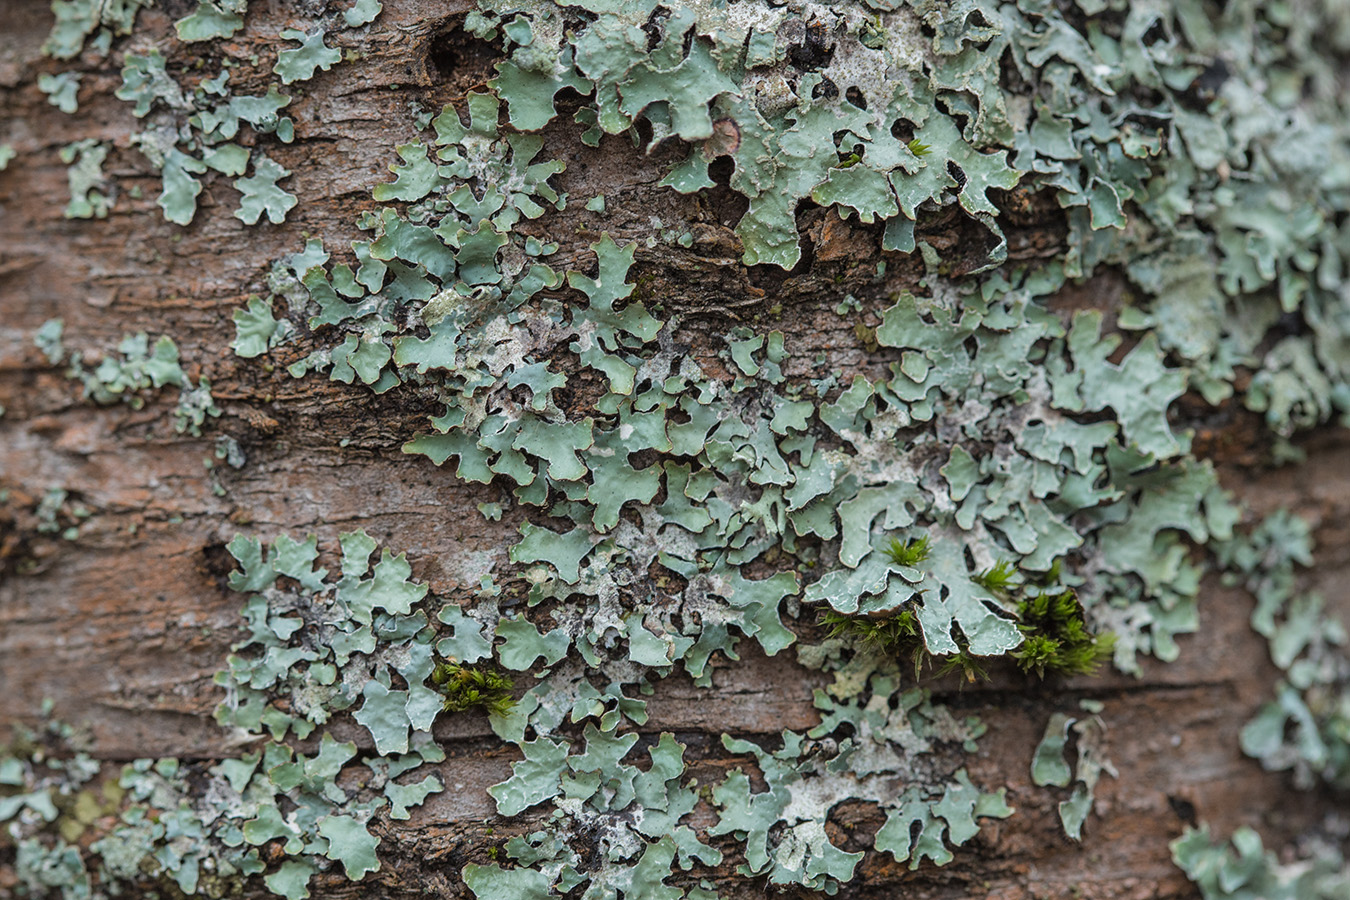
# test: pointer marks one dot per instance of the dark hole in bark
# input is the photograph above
(955, 171)
(1184, 809)
(455, 56)
(815, 50)
(720, 169)
(826, 89)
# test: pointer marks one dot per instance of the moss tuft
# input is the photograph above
(909, 553)
(1057, 636)
(469, 687)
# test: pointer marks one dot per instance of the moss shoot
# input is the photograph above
(469, 687)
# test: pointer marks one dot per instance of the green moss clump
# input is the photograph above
(467, 687)
(1051, 619)
(1001, 577)
(909, 553)
(888, 633)
(1057, 636)
(899, 635)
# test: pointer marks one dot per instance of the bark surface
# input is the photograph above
(123, 627)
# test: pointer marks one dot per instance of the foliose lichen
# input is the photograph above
(134, 371)
(1306, 727)
(192, 130)
(1243, 868)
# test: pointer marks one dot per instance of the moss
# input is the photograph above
(867, 336)
(909, 553)
(473, 687)
(1058, 639)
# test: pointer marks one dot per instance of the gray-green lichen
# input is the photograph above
(61, 90)
(57, 513)
(1049, 767)
(192, 130)
(365, 629)
(88, 184)
(90, 22)
(1244, 870)
(1200, 150)
(742, 475)
(1306, 727)
(134, 371)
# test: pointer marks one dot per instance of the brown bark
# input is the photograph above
(123, 627)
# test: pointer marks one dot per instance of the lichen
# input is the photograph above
(1048, 766)
(77, 20)
(1244, 869)
(185, 821)
(61, 90)
(192, 129)
(88, 184)
(1306, 727)
(136, 370)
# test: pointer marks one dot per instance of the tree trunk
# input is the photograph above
(115, 601)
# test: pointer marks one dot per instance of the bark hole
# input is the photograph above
(456, 57)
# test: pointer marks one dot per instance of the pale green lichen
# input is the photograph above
(1049, 767)
(298, 64)
(804, 101)
(1244, 870)
(1025, 366)
(367, 629)
(88, 184)
(853, 497)
(191, 128)
(213, 119)
(36, 786)
(58, 513)
(256, 330)
(137, 369)
(61, 90)
(77, 20)
(261, 196)
(1306, 727)
(212, 19)
(362, 12)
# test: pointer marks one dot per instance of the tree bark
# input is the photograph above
(123, 627)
